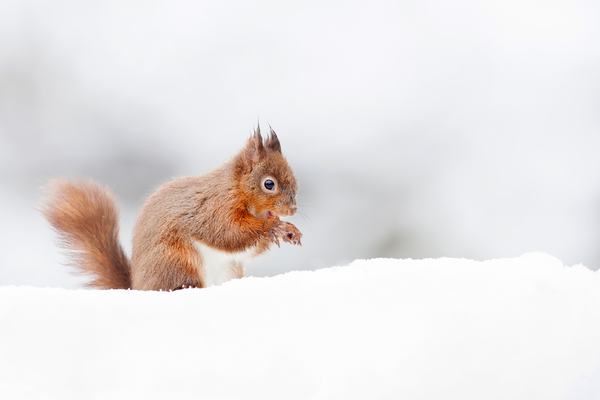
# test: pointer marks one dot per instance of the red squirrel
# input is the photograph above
(192, 232)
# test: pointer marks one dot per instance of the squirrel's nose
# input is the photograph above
(293, 206)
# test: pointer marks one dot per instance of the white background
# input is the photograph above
(416, 128)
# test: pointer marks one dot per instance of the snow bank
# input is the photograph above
(524, 328)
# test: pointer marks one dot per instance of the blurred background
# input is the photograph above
(416, 129)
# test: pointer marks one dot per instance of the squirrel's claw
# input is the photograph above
(294, 239)
(287, 232)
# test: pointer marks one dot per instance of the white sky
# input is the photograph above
(416, 129)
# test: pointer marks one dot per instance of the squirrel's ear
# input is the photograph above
(254, 150)
(272, 141)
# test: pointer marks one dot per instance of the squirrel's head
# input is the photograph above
(267, 182)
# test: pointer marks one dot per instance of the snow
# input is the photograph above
(521, 328)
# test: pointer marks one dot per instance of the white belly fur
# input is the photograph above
(219, 266)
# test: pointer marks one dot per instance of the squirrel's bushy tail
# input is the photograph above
(85, 216)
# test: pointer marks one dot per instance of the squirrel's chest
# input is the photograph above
(219, 266)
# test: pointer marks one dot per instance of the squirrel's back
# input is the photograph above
(85, 216)
(163, 256)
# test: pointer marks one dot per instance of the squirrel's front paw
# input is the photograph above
(287, 232)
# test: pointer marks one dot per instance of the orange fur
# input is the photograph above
(86, 218)
(230, 210)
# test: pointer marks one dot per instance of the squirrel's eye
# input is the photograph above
(269, 184)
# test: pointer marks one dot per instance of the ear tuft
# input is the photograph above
(257, 136)
(272, 141)
(254, 150)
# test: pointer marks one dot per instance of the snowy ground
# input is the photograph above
(523, 328)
